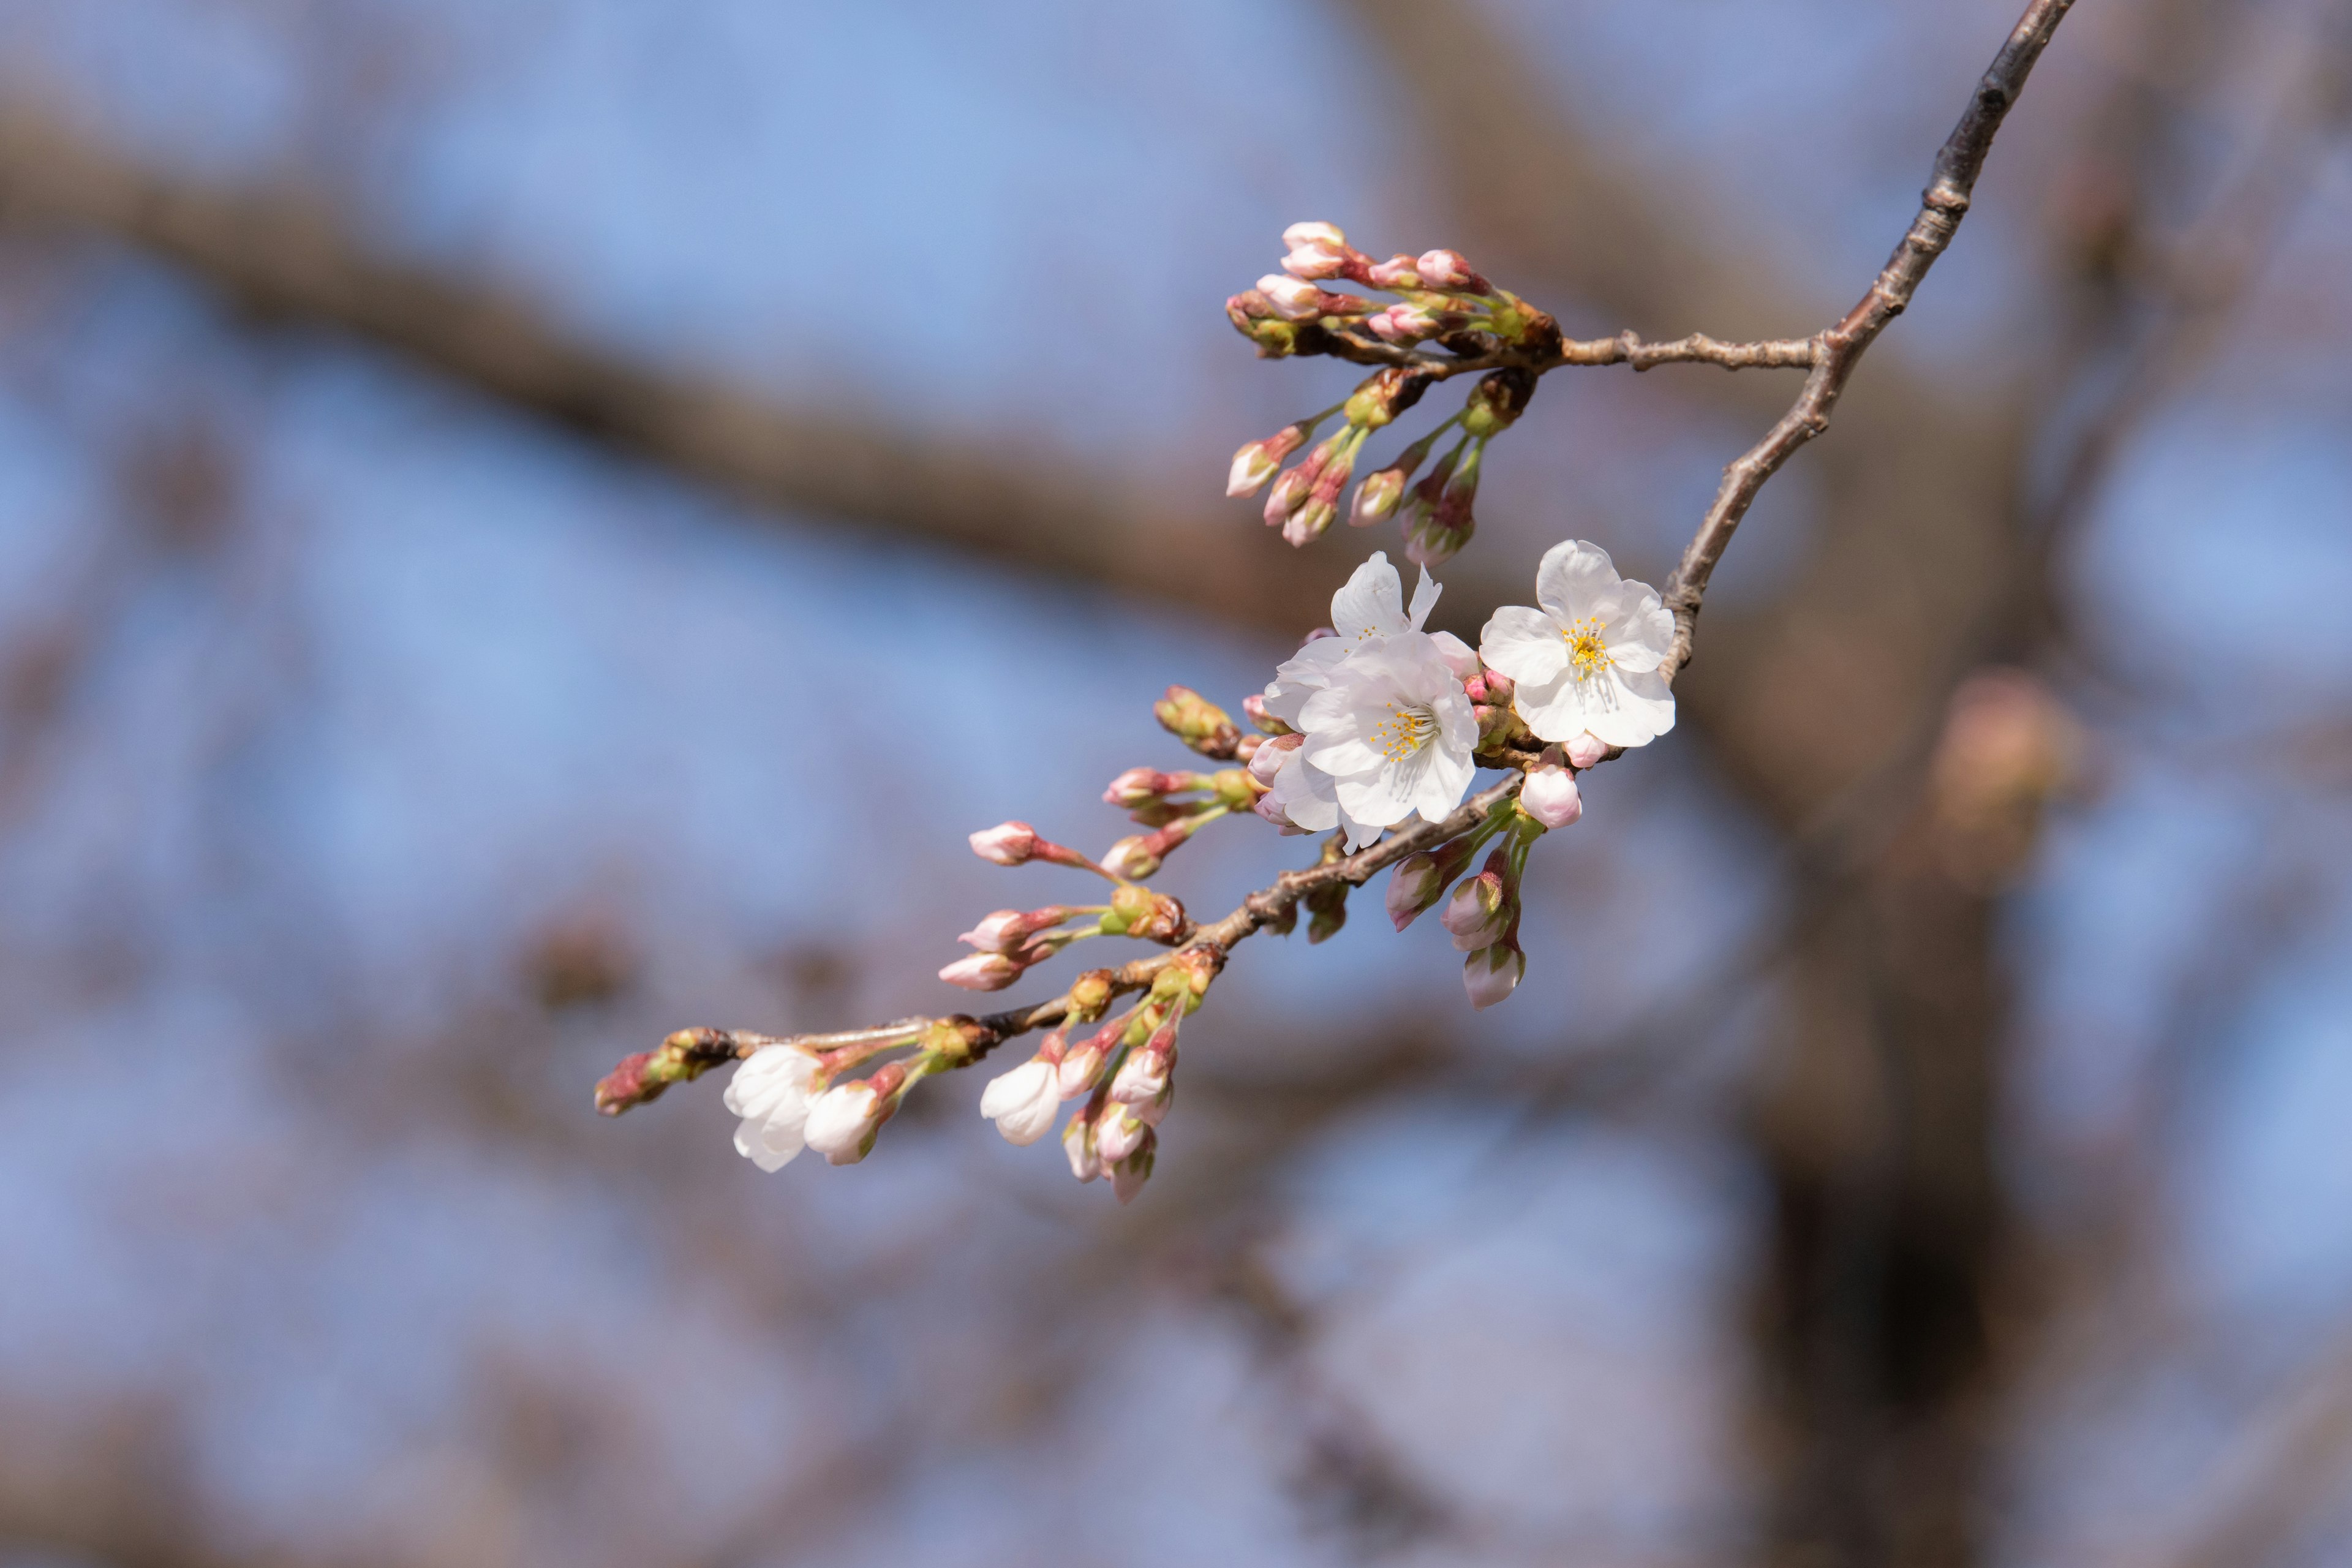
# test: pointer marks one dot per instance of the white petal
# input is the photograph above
(1442, 783)
(1306, 796)
(1375, 799)
(1640, 709)
(1425, 599)
(1370, 603)
(1572, 576)
(765, 1145)
(1524, 644)
(1302, 675)
(1342, 755)
(1557, 709)
(1459, 656)
(1637, 643)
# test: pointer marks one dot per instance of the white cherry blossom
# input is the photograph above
(770, 1091)
(1588, 661)
(1370, 604)
(1395, 733)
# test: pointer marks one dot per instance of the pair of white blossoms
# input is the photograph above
(1385, 729)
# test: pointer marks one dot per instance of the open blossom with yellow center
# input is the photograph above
(1369, 605)
(1394, 731)
(1589, 658)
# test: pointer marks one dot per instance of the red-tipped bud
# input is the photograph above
(1478, 912)
(984, 972)
(1006, 930)
(1446, 269)
(1294, 299)
(1007, 844)
(1257, 462)
(1396, 272)
(1406, 322)
(1139, 786)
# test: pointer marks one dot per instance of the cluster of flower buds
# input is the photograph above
(1440, 296)
(792, 1098)
(1482, 914)
(1124, 1069)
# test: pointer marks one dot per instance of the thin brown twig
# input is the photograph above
(1627, 347)
(1840, 348)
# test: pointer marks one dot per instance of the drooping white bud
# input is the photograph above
(841, 1121)
(1024, 1102)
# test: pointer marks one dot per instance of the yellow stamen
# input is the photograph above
(1404, 731)
(1586, 657)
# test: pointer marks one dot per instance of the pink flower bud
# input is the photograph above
(1006, 930)
(1476, 914)
(1118, 1134)
(1314, 233)
(1500, 688)
(1269, 759)
(1293, 299)
(1024, 1102)
(1551, 797)
(1587, 750)
(1255, 463)
(1447, 270)
(1493, 973)
(841, 1121)
(983, 971)
(1396, 272)
(1145, 1072)
(1079, 1070)
(1317, 260)
(1405, 324)
(1131, 857)
(1137, 786)
(1007, 844)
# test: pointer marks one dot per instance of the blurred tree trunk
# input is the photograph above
(1873, 1122)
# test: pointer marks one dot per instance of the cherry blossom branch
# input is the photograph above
(1481, 351)
(1381, 723)
(1839, 350)
(690, 1053)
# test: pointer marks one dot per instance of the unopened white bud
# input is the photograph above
(1024, 1102)
(841, 1121)
(1551, 797)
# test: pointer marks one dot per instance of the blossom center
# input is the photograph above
(1586, 656)
(1406, 730)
